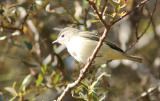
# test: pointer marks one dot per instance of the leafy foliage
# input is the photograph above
(33, 69)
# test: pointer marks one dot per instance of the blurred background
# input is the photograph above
(33, 69)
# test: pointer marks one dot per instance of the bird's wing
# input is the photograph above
(93, 36)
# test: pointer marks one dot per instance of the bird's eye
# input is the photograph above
(62, 36)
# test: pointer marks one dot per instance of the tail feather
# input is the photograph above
(136, 59)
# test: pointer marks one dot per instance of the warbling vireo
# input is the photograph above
(80, 45)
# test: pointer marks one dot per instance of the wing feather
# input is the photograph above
(93, 36)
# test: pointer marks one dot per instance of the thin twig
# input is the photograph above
(139, 5)
(85, 18)
(148, 92)
(92, 57)
(93, 5)
(104, 8)
(145, 30)
(70, 14)
(155, 31)
(138, 37)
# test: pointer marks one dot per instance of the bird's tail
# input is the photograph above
(136, 59)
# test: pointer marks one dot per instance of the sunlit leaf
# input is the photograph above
(116, 1)
(44, 69)
(11, 90)
(26, 81)
(94, 21)
(39, 80)
(3, 37)
(113, 14)
(122, 14)
(122, 6)
(56, 78)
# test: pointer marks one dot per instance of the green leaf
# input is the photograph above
(98, 3)
(39, 80)
(56, 79)
(93, 96)
(44, 69)
(85, 3)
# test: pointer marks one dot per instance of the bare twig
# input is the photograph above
(70, 14)
(92, 57)
(155, 31)
(153, 23)
(150, 91)
(92, 4)
(104, 8)
(145, 30)
(139, 5)
(138, 37)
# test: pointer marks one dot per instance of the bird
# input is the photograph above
(81, 44)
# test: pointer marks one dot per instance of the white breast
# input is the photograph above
(80, 48)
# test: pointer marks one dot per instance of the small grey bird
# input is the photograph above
(80, 45)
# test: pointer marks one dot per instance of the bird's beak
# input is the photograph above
(54, 42)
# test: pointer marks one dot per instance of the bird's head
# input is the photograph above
(65, 35)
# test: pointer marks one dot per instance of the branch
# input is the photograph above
(92, 57)
(93, 5)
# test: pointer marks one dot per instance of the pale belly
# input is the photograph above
(82, 48)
